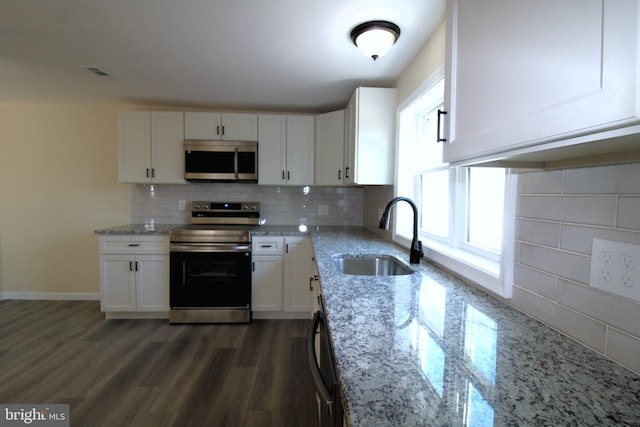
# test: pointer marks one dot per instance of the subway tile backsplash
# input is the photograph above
(279, 205)
(559, 213)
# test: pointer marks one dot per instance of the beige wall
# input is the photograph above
(58, 182)
(425, 63)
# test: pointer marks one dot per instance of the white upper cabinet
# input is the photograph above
(369, 145)
(329, 151)
(539, 75)
(150, 147)
(272, 149)
(286, 149)
(300, 150)
(221, 126)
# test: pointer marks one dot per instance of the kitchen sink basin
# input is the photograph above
(370, 265)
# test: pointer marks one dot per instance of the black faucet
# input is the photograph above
(416, 245)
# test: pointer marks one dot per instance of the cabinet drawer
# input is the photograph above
(134, 245)
(267, 245)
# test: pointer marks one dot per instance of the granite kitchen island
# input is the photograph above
(426, 349)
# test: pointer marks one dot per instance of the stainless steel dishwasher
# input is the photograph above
(323, 370)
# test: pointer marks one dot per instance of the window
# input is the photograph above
(462, 209)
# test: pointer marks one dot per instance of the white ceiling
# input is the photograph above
(288, 55)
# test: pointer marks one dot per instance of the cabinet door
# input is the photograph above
(350, 140)
(300, 150)
(152, 282)
(117, 283)
(203, 126)
(329, 148)
(298, 272)
(272, 146)
(375, 136)
(239, 127)
(134, 146)
(167, 153)
(266, 283)
(521, 74)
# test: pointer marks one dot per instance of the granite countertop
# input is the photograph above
(426, 349)
(160, 229)
(133, 229)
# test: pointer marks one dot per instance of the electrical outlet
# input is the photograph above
(606, 274)
(628, 262)
(182, 205)
(614, 268)
(605, 257)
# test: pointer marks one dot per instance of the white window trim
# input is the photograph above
(495, 276)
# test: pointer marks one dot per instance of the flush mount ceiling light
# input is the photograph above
(375, 38)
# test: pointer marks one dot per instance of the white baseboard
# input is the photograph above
(91, 296)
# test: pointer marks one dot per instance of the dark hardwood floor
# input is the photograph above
(150, 373)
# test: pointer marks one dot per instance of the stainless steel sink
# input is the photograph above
(370, 265)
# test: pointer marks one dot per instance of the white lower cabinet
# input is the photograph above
(298, 270)
(134, 276)
(266, 294)
(282, 270)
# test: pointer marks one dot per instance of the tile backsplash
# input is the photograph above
(279, 205)
(559, 213)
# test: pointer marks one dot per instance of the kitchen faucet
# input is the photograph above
(416, 245)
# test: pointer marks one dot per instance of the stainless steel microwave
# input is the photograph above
(224, 161)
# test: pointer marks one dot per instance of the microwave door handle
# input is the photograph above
(235, 163)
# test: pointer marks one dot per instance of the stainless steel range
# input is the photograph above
(210, 279)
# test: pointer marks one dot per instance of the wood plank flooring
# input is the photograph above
(151, 373)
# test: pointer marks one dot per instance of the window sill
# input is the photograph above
(479, 270)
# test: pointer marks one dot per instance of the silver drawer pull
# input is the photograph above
(266, 246)
(132, 245)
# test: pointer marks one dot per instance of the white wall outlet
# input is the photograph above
(323, 210)
(614, 268)
(182, 205)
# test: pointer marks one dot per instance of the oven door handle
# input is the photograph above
(208, 247)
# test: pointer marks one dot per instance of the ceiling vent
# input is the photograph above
(97, 71)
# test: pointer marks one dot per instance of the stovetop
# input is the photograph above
(219, 222)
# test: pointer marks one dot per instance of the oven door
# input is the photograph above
(216, 276)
